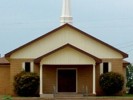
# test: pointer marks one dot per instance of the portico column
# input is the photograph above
(94, 79)
(41, 82)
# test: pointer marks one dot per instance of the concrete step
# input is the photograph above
(66, 95)
(71, 96)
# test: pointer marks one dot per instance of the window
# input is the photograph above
(105, 67)
(28, 66)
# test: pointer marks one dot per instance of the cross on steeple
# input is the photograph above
(66, 13)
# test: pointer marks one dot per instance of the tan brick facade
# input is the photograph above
(116, 66)
(15, 68)
(84, 75)
(9, 71)
(4, 79)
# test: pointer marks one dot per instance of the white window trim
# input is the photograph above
(101, 68)
(31, 66)
(109, 67)
(23, 66)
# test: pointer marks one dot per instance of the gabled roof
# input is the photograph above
(123, 54)
(3, 61)
(98, 60)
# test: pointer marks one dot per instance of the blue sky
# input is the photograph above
(24, 20)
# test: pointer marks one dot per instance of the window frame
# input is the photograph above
(31, 66)
(102, 66)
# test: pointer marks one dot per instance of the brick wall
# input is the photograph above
(4, 79)
(15, 68)
(117, 66)
(49, 74)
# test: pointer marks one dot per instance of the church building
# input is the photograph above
(67, 59)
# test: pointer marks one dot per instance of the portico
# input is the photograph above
(67, 64)
(59, 76)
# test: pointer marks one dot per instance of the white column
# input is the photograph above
(101, 68)
(32, 66)
(94, 79)
(41, 80)
(110, 68)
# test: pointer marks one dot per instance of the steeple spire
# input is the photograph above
(66, 13)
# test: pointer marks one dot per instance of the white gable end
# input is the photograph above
(61, 37)
(66, 56)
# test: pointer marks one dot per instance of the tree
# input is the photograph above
(111, 83)
(26, 84)
(129, 74)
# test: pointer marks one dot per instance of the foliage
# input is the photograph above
(26, 84)
(129, 74)
(111, 83)
(7, 98)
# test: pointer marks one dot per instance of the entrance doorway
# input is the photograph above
(66, 80)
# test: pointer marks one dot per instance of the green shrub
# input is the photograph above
(111, 83)
(26, 84)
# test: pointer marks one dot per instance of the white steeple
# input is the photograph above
(66, 13)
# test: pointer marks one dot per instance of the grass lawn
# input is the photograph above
(128, 95)
(124, 97)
